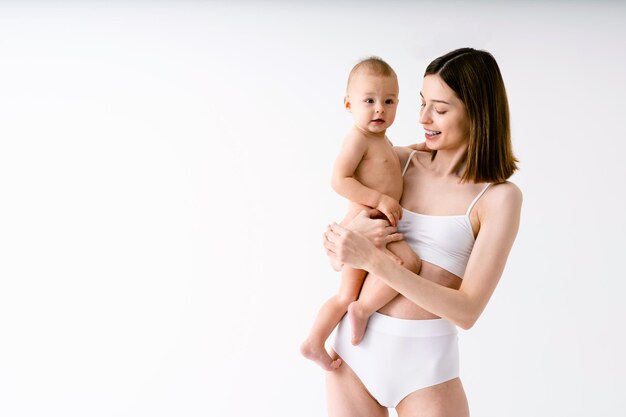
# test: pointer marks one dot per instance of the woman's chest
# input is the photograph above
(433, 196)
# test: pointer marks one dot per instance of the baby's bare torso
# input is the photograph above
(380, 167)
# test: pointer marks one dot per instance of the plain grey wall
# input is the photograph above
(165, 182)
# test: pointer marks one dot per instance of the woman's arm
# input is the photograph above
(372, 224)
(498, 227)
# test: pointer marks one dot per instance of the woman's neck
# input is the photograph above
(449, 163)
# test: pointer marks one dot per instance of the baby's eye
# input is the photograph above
(389, 101)
(369, 100)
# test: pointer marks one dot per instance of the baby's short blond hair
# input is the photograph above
(372, 65)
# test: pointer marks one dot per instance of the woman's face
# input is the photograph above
(443, 115)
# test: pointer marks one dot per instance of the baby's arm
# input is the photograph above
(352, 153)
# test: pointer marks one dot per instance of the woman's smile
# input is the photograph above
(431, 134)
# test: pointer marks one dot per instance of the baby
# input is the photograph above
(367, 172)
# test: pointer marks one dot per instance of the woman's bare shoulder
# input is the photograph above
(507, 189)
(504, 195)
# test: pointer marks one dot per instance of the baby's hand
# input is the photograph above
(390, 208)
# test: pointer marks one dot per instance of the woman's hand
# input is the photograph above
(371, 225)
(348, 247)
(420, 147)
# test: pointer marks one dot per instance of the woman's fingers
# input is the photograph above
(331, 248)
(420, 147)
(389, 230)
(395, 237)
(332, 236)
(386, 235)
(336, 229)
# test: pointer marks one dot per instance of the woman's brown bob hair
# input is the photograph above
(475, 78)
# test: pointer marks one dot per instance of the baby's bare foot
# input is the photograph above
(317, 353)
(358, 318)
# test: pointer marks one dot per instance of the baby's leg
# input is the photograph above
(329, 316)
(378, 294)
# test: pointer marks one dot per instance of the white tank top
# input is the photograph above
(445, 241)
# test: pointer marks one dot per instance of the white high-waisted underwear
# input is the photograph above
(398, 356)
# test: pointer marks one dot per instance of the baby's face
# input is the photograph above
(372, 100)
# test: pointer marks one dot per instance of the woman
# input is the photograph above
(461, 216)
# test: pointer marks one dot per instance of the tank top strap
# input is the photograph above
(408, 161)
(476, 199)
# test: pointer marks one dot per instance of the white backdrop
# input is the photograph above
(164, 183)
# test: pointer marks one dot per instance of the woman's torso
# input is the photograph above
(430, 195)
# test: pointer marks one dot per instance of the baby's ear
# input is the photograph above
(346, 103)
